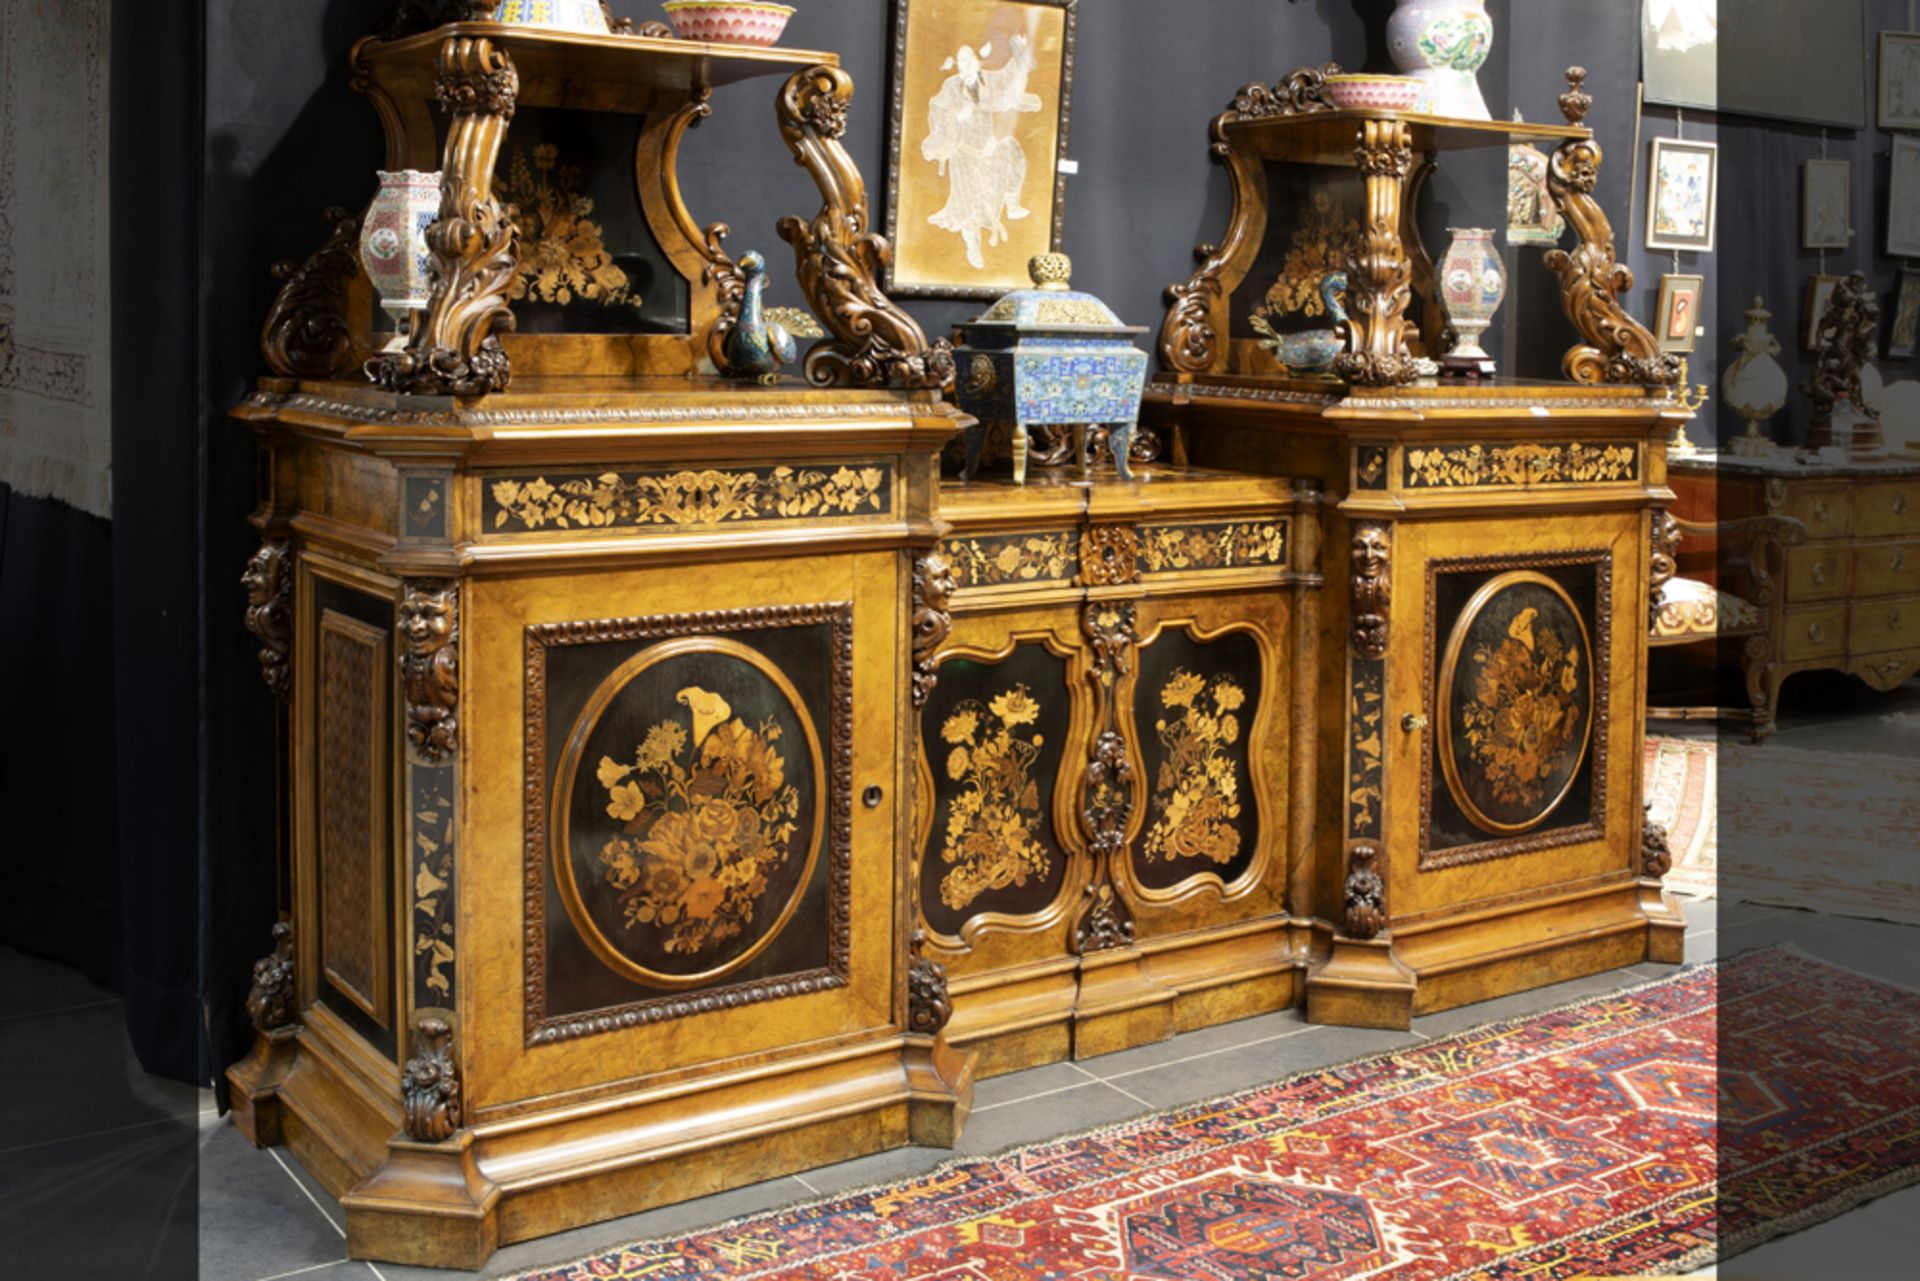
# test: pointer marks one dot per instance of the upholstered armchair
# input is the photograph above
(1730, 602)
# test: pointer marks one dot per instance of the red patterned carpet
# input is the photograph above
(1579, 1142)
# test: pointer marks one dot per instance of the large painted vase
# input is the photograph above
(1443, 44)
(393, 243)
(1473, 283)
(561, 15)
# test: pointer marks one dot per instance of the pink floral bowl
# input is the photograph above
(728, 21)
(1373, 93)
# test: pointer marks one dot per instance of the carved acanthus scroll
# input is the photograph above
(928, 1005)
(455, 350)
(933, 588)
(1379, 272)
(1371, 587)
(306, 334)
(269, 585)
(1107, 790)
(429, 625)
(1656, 854)
(1618, 348)
(270, 1002)
(874, 342)
(430, 1085)
(1365, 893)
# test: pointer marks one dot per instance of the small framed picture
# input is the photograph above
(1903, 198)
(1679, 311)
(1681, 196)
(1819, 294)
(1900, 79)
(1826, 204)
(1906, 316)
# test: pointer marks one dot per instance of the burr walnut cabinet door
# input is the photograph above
(683, 832)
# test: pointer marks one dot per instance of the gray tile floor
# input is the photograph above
(263, 1219)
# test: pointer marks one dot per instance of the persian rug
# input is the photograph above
(1680, 793)
(1835, 832)
(1583, 1141)
(56, 405)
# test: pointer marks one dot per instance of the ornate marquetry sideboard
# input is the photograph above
(1849, 597)
(597, 687)
(1116, 756)
(1481, 673)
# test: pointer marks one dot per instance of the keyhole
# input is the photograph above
(872, 797)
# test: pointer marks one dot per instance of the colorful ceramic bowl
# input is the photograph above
(1373, 93)
(561, 15)
(728, 21)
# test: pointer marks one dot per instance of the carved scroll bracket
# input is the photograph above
(1664, 563)
(306, 334)
(1107, 790)
(839, 260)
(928, 1005)
(268, 580)
(1379, 270)
(455, 350)
(1371, 587)
(429, 624)
(1617, 348)
(1365, 892)
(933, 588)
(271, 1000)
(430, 1085)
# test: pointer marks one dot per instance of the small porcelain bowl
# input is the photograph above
(728, 21)
(1373, 93)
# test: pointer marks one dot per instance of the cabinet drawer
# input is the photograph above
(1825, 512)
(1816, 633)
(1874, 626)
(1817, 573)
(1887, 570)
(1888, 509)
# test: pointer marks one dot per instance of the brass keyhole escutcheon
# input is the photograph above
(1819, 572)
(1815, 632)
(872, 797)
(1413, 722)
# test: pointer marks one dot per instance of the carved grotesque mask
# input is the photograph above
(426, 621)
(262, 575)
(1370, 553)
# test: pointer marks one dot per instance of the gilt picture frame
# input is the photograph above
(982, 99)
(1683, 185)
(1678, 315)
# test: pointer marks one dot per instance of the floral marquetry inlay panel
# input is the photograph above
(1016, 558)
(1476, 466)
(707, 496)
(1195, 795)
(1223, 545)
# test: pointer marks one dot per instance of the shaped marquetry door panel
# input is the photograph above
(1195, 707)
(994, 734)
(695, 813)
(1519, 665)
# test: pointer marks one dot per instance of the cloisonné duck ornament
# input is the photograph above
(762, 339)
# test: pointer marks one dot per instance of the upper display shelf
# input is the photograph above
(1330, 133)
(579, 69)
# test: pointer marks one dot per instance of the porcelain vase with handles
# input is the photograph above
(1473, 283)
(393, 244)
(562, 15)
(1443, 44)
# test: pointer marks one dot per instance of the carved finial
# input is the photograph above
(1576, 101)
(1050, 271)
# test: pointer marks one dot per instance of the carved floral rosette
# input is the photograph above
(430, 1084)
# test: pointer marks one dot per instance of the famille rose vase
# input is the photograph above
(393, 243)
(1443, 44)
(562, 15)
(1473, 283)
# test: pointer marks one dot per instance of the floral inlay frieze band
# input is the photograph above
(707, 496)
(708, 812)
(1473, 466)
(1224, 545)
(991, 840)
(1196, 794)
(1015, 558)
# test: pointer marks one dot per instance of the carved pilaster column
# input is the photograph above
(933, 589)
(1370, 599)
(1617, 348)
(268, 579)
(839, 258)
(307, 334)
(1379, 272)
(1107, 796)
(430, 1085)
(454, 348)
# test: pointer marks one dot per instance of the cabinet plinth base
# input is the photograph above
(535, 1172)
(1361, 984)
(255, 1085)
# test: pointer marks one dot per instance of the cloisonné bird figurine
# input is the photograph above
(757, 345)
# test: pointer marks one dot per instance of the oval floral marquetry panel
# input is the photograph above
(993, 734)
(688, 807)
(1194, 711)
(1516, 690)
